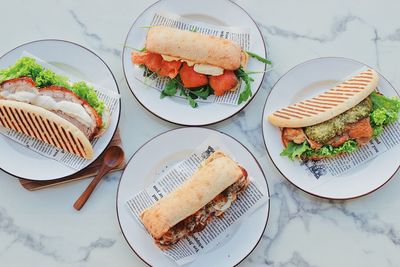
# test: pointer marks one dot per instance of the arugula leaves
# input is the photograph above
(170, 89)
(174, 85)
(246, 93)
(259, 58)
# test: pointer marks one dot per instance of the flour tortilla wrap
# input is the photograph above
(194, 46)
(217, 173)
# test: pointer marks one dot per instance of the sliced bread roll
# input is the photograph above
(45, 126)
(216, 174)
(328, 104)
(194, 46)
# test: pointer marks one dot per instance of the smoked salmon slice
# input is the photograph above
(223, 83)
(361, 131)
(152, 61)
(170, 68)
(190, 78)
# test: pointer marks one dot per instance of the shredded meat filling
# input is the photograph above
(199, 220)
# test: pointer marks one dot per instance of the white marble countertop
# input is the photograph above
(42, 229)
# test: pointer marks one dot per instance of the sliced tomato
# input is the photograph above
(170, 68)
(139, 58)
(190, 78)
(223, 83)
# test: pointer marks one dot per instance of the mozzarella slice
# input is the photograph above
(208, 69)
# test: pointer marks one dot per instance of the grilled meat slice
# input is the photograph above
(25, 88)
(59, 100)
(59, 94)
(293, 134)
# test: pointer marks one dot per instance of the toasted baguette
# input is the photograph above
(45, 126)
(328, 104)
(216, 174)
(194, 46)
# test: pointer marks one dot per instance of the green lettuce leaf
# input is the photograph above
(298, 150)
(294, 150)
(384, 111)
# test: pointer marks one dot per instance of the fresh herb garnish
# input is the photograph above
(259, 58)
(246, 93)
(203, 92)
(174, 85)
(170, 88)
(194, 29)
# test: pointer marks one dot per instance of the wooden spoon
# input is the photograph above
(113, 157)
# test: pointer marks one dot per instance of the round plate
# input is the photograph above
(82, 63)
(307, 80)
(174, 109)
(171, 147)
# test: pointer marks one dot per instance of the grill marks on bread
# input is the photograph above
(41, 128)
(328, 104)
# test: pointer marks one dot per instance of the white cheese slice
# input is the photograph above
(208, 69)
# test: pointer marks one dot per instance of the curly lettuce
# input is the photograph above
(28, 67)
(293, 150)
(384, 111)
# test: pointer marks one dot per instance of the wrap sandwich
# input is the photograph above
(208, 193)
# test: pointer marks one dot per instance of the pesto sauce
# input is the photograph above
(325, 131)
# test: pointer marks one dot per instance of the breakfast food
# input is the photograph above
(208, 193)
(337, 121)
(39, 103)
(196, 63)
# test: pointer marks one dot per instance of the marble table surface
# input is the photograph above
(42, 229)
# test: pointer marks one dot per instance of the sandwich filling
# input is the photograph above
(343, 133)
(199, 220)
(191, 75)
(56, 99)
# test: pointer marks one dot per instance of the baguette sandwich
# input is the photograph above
(337, 121)
(188, 209)
(201, 64)
(41, 104)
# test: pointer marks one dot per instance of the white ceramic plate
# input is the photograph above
(171, 147)
(174, 109)
(83, 64)
(309, 79)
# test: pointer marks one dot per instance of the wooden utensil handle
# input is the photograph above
(80, 202)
